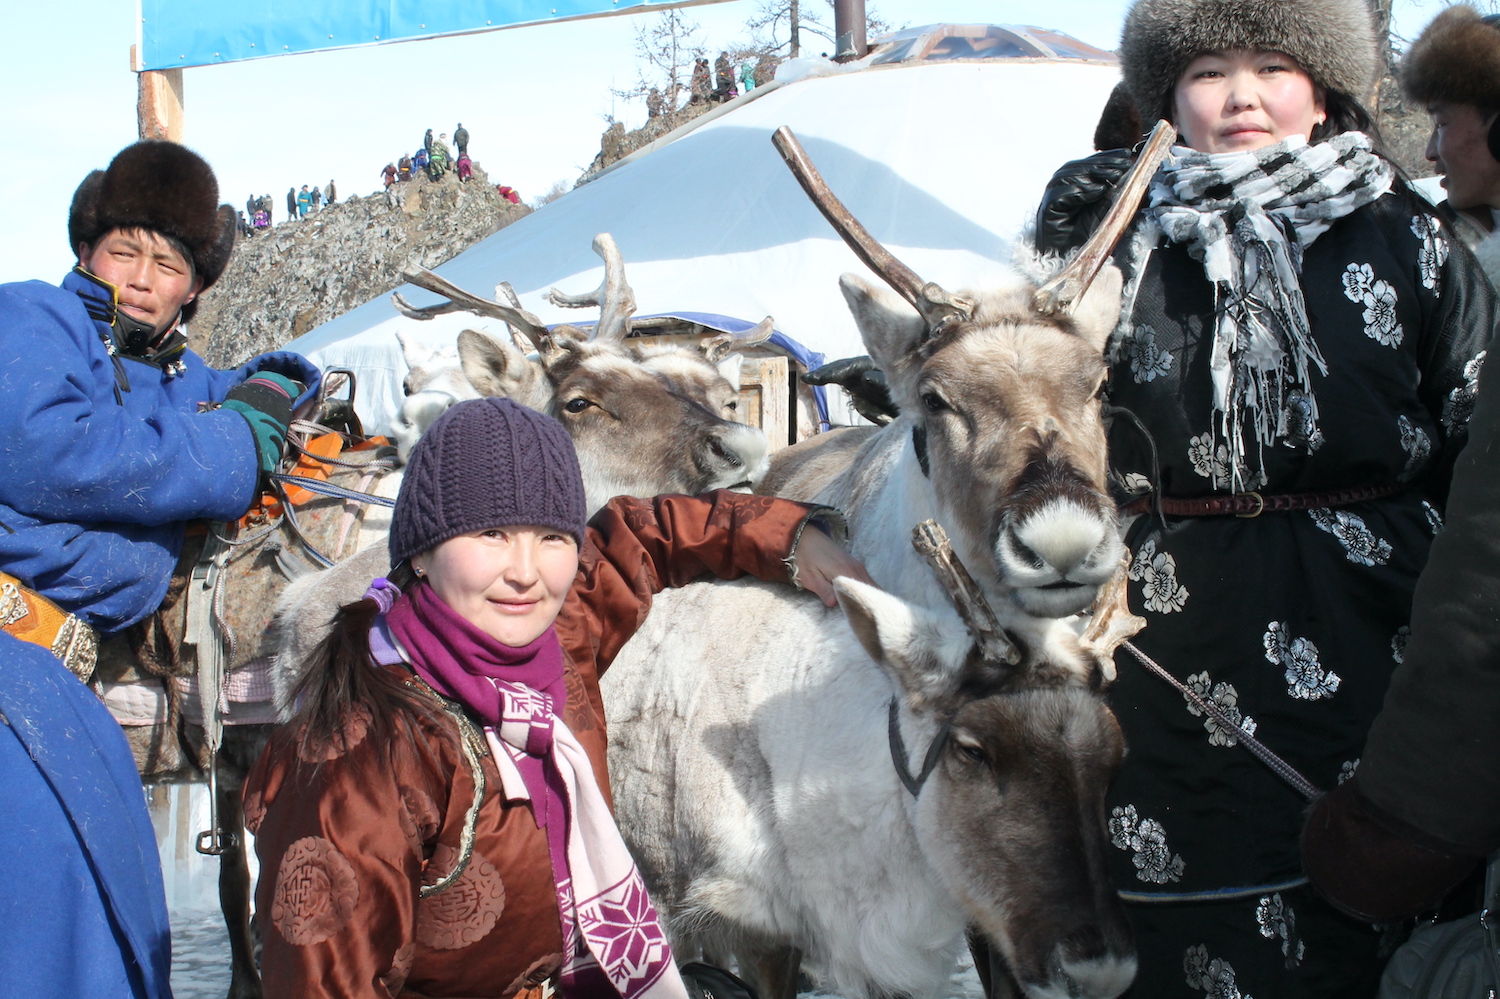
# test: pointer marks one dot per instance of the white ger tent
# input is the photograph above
(944, 161)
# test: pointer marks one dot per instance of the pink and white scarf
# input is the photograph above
(609, 925)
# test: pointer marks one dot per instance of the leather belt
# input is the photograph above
(31, 617)
(1255, 504)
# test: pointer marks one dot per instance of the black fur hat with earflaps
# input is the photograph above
(164, 187)
(1455, 59)
(1334, 40)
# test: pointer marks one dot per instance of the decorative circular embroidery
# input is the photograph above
(316, 892)
(356, 725)
(467, 910)
(395, 979)
(255, 812)
(419, 815)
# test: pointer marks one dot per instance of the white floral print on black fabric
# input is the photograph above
(1148, 362)
(1157, 573)
(1214, 977)
(1434, 519)
(1398, 644)
(1459, 405)
(1361, 546)
(1224, 697)
(1433, 253)
(1147, 842)
(1347, 768)
(1208, 460)
(1416, 444)
(1276, 919)
(1135, 483)
(1379, 299)
(1306, 679)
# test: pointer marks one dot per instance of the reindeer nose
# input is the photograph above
(1060, 535)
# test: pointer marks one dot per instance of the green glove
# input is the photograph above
(265, 401)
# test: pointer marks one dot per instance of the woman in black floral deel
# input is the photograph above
(1302, 329)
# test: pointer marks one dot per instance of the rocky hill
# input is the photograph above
(300, 274)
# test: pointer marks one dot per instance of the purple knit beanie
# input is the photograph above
(487, 463)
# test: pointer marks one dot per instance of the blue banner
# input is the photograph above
(177, 33)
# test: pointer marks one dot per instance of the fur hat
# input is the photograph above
(1456, 58)
(1334, 40)
(166, 188)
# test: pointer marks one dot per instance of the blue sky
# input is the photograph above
(533, 99)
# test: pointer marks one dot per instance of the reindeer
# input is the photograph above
(644, 419)
(749, 761)
(852, 789)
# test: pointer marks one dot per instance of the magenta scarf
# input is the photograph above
(459, 661)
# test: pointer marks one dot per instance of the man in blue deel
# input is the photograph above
(112, 435)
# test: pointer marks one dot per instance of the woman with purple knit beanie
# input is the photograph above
(435, 821)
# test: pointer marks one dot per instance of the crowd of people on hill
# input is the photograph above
(435, 158)
(257, 215)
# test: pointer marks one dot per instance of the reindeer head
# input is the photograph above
(1000, 392)
(644, 420)
(1009, 804)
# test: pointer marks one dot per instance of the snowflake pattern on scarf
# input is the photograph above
(1459, 405)
(1433, 253)
(1148, 362)
(1306, 679)
(1157, 573)
(1361, 546)
(1214, 977)
(1224, 697)
(1416, 444)
(1276, 919)
(1347, 769)
(1398, 644)
(1379, 299)
(1147, 841)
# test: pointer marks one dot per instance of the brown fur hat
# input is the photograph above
(1334, 40)
(1457, 59)
(166, 188)
(1119, 124)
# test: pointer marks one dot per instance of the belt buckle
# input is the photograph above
(1260, 506)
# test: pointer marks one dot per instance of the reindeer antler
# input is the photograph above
(462, 301)
(931, 542)
(614, 297)
(936, 306)
(1111, 624)
(1060, 294)
(716, 348)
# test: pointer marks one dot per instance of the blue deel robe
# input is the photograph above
(96, 482)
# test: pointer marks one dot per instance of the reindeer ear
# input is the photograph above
(1097, 313)
(495, 368)
(923, 653)
(892, 331)
(413, 350)
(730, 367)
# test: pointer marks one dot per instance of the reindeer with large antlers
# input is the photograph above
(791, 798)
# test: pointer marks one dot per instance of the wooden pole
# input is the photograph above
(158, 105)
(849, 30)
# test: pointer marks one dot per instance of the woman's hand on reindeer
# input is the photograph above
(820, 560)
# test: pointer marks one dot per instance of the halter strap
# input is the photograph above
(898, 751)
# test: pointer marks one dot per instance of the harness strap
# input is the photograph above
(1281, 768)
(898, 751)
(329, 489)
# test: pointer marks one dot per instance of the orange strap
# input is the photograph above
(31, 617)
(329, 445)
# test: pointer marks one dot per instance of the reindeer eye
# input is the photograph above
(933, 402)
(577, 405)
(732, 404)
(970, 751)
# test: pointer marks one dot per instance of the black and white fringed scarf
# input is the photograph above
(1248, 216)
